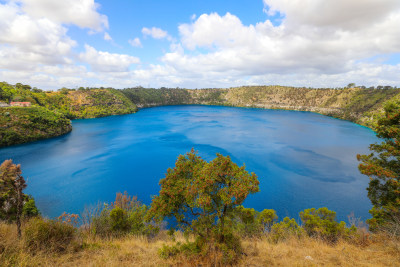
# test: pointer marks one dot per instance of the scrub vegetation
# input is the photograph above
(50, 113)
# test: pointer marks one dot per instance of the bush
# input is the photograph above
(48, 235)
(119, 220)
(321, 223)
(124, 216)
(246, 222)
(285, 229)
(267, 218)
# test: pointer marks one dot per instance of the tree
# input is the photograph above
(383, 168)
(11, 186)
(322, 223)
(201, 196)
(351, 85)
(267, 218)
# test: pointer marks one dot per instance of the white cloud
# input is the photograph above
(343, 14)
(156, 33)
(26, 42)
(107, 37)
(292, 47)
(320, 43)
(107, 62)
(82, 13)
(135, 42)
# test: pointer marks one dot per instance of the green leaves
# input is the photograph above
(202, 196)
(383, 168)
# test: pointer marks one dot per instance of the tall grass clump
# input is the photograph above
(49, 235)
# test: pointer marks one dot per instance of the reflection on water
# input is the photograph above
(302, 159)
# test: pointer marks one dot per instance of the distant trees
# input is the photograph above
(383, 168)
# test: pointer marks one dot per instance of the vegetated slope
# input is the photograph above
(19, 125)
(75, 104)
(91, 103)
(51, 111)
(354, 104)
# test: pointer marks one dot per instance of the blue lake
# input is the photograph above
(302, 159)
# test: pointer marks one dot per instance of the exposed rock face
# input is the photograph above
(362, 106)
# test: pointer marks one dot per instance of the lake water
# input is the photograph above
(302, 159)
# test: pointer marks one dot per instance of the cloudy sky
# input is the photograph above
(199, 43)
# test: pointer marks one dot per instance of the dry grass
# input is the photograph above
(138, 251)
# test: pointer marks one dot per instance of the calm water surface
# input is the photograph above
(302, 159)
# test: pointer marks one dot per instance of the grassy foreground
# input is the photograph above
(374, 250)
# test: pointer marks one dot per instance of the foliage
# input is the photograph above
(246, 222)
(24, 124)
(322, 223)
(11, 197)
(285, 229)
(383, 168)
(267, 218)
(202, 197)
(48, 235)
(30, 210)
(118, 219)
(124, 216)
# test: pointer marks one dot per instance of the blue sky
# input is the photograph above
(200, 43)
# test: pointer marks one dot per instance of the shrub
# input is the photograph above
(322, 223)
(246, 222)
(48, 235)
(267, 218)
(119, 220)
(285, 229)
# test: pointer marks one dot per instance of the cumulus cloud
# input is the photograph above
(329, 42)
(135, 42)
(107, 62)
(319, 43)
(343, 14)
(25, 42)
(156, 33)
(82, 13)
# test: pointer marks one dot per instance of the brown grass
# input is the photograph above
(138, 251)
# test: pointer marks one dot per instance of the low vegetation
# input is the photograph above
(51, 112)
(25, 124)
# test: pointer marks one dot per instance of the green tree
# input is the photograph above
(322, 223)
(11, 185)
(285, 229)
(267, 218)
(202, 196)
(383, 168)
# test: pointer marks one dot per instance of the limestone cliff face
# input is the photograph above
(362, 106)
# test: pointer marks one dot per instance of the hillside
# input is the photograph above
(51, 110)
(358, 105)
(20, 125)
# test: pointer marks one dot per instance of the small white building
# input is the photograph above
(3, 104)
